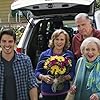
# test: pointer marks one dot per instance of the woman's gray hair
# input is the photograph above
(55, 34)
(90, 40)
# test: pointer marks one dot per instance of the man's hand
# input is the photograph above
(33, 94)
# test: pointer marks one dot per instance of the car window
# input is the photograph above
(41, 35)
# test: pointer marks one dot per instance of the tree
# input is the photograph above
(97, 4)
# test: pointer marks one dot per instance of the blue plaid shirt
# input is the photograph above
(24, 76)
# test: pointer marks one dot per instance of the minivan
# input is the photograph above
(47, 16)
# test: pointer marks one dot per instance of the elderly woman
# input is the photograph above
(87, 85)
(56, 67)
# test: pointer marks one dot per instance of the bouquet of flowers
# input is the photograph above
(58, 65)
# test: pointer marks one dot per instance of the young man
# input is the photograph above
(17, 80)
(85, 29)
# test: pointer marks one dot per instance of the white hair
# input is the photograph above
(89, 40)
(82, 15)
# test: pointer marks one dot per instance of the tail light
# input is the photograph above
(19, 50)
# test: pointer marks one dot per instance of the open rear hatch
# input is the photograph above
(49, 8)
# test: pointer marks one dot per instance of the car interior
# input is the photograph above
(39, 41)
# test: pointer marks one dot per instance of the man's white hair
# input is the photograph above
(82, 15)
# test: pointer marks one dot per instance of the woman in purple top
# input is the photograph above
(55, 67)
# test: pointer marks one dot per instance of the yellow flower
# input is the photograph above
(62, 70)
(57, 65)
(47, 62)
(70, 63)
(54, 70)
(60, 58)
(53, 58)
(45, 67)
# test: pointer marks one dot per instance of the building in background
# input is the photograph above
(10, 18)
(7, 16)
(5, 11)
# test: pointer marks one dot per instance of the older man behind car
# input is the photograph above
(85, 29)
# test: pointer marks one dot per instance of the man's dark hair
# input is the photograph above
(8, 32)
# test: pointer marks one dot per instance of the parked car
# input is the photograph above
(48, 15)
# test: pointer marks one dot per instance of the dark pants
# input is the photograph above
(58, 97)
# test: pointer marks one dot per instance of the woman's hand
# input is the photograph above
(72, 89)
(47, 78)
(67, 77)
(62, 78)
(94, 97)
